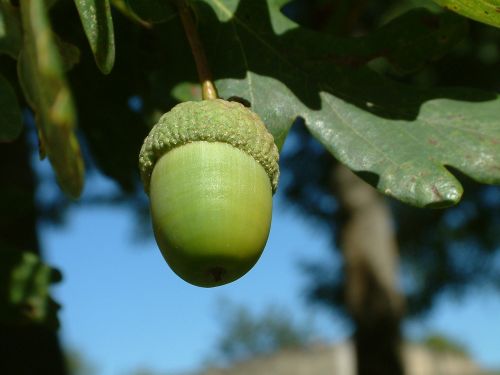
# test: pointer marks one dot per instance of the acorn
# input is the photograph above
(210, 169)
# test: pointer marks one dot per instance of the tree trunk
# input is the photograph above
(370, 252)
(28, 349)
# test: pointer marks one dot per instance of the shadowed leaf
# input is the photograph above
(24, 290)
(70, 54)
(10, 29)
(154, 11)
(10, 113)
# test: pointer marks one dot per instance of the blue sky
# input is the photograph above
(124, 309)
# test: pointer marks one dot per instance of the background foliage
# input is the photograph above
(403, 93)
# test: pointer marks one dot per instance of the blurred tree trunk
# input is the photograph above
(24, 349)
(371, 291)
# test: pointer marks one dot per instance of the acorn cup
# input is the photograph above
(210, 169)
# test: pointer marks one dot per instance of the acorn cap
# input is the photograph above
(211, 121)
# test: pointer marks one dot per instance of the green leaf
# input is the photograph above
(41, 75)
(24, 290)
(486, 11)
(98, 25)
(10, 30)
(154, 11)
(10, 113)
(401, 139)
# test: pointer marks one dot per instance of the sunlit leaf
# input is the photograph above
(486, 11)
(41, 75)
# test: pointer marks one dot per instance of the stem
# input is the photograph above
(208, 89)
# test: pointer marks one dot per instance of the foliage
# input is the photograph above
(41, 76)
(98, 26)
(408, 100)
(400, 136)
(78, 364)
(24, 290)
(10, 113)
(441, 250)
(387, 100)
(442, 344)
(393, 132)
(247, 335)
(487, 11)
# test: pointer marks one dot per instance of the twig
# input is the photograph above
(205, 76)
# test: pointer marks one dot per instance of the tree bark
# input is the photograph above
(371, 290)
(24, 349)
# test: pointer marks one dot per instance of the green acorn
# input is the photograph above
(210, 169)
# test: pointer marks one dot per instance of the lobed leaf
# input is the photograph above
(399, 138)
